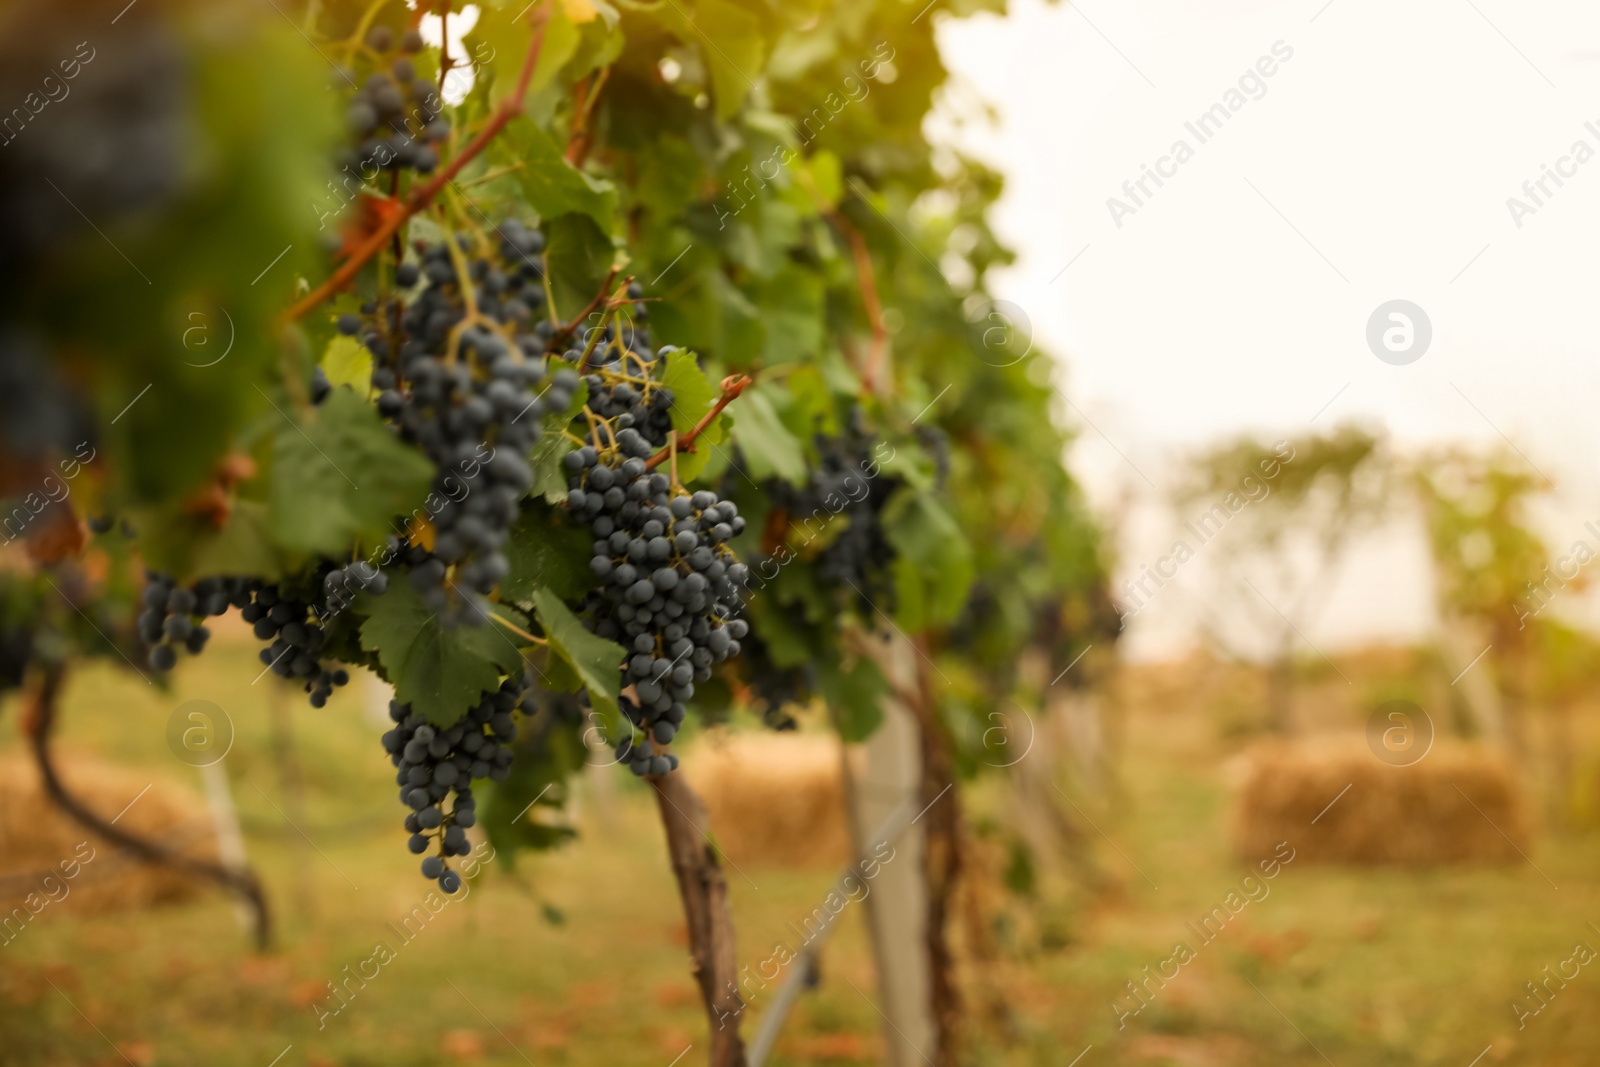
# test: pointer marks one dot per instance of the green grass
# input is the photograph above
(1369, 967)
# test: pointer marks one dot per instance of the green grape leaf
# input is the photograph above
(598, 43)
(813, 403)
(553, 186)
(708, 462)
(174, 360)
(692, 392)
(549, 477)
(557, 677)
(186, 545)
(347, 362)
(500, 40)
(526, 810)
(579, 254)
(596, 661)
(933, 567)
(704, 451)
(713, 314)
(692, 396)
(769, 449)
(789, 644)
(856, 696)
(441, 671)
(737, 54)
(341, 477)
(792, 309)
(796, 587)
(546, 550)
(827, 175)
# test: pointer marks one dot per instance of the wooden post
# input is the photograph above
(291, 785)
(883, 775)
(230, 840)
(777, 1012)
(1463, 643)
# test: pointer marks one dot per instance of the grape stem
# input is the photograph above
(357, 40)
(732, 386)
(599, 298)
(489, 176)
(589, 346)
(419, 199)
(583, 108)
(597, 423)
(869, 299)
(519, 631)
(444, 42)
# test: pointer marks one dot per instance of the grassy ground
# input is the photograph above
(579, 957)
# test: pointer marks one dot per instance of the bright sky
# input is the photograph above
(1375, 165)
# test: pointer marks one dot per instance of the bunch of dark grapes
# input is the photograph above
(860, 557)
(616, 348)
(397, 117)
(293, 619)
(847, 487)
(173, 615)
(284, 613)
(672, 587)
(465, 391)
(776, 688)
(435, 765)
(628, 407)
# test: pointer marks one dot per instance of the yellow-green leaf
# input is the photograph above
(347, 362)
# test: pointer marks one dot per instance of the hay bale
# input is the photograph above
(46, 855)
(1460, 804)
(773, 799)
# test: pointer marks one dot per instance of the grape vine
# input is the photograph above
(466, 456)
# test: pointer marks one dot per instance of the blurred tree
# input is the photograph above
(1289, 511)
(1494, 579)
(1566, 672)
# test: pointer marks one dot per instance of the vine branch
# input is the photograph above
(589, 309)
(866, 281)
(942, 856)
(242, 882)
(869, 299)
(579, 142)
(704, 889)
(420, 198)
(732, 386)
